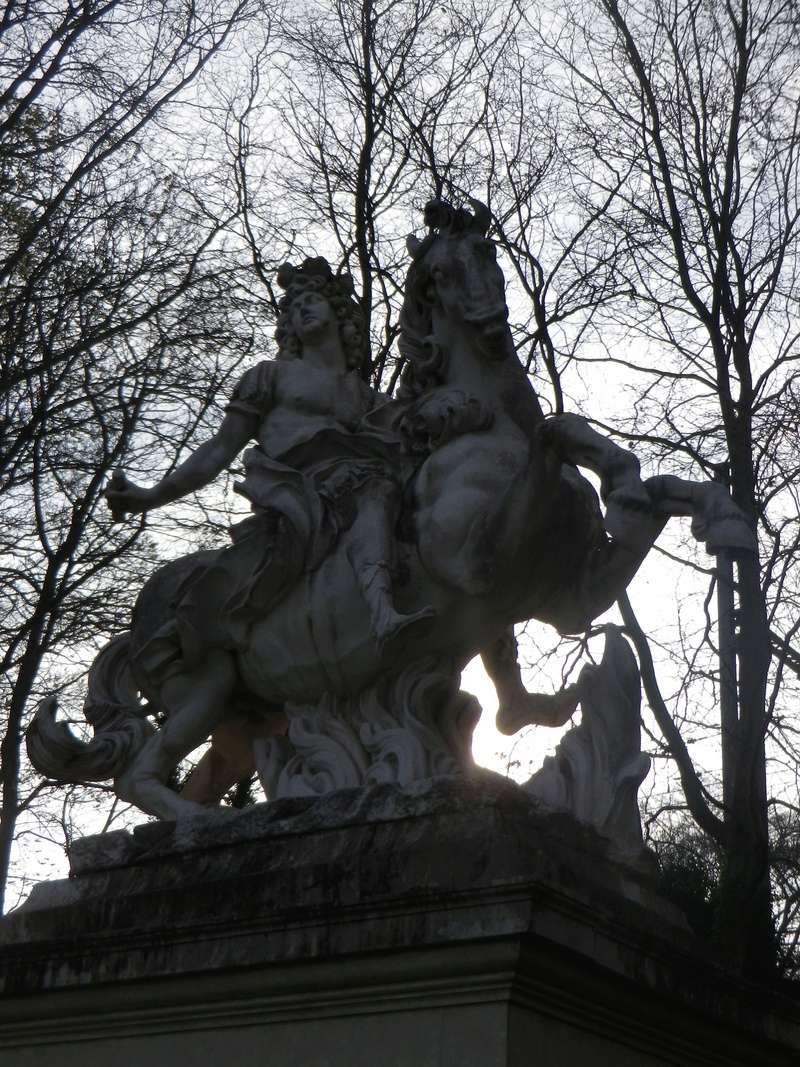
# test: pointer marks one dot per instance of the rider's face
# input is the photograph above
(311, 316)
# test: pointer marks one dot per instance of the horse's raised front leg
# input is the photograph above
(608, 568)
(716, 519)
(516, 706)
(629, 517)
(635, 510)
(196, 701)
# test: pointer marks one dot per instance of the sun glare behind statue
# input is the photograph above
(516, 757)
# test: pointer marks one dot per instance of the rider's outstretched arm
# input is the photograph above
(201, 467)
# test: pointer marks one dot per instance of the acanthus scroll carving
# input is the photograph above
(416, 725)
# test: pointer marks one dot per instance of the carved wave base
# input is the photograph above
(409, 726)
(453, 923)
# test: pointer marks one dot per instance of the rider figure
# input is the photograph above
(306, 410)
(310, 405)
(318, 471)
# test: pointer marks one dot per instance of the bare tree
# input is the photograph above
(336, 147)
(688, 118)
(120, 323)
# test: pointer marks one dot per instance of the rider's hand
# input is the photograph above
(123, 496)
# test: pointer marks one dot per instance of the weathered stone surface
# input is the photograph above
(360, 832)
(452, 924)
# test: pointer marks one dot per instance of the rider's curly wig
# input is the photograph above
(315, 275)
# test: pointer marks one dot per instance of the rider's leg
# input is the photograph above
(516, 706)
(371, 552)
(195, 702)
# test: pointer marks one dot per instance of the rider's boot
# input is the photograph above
(371, 551)
(388, 624)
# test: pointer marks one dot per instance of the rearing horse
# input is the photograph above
(499, 527)
(570, 562)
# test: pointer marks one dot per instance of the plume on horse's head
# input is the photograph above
(426, 361)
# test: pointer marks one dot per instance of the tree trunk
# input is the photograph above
(9, 772)
(744, 920)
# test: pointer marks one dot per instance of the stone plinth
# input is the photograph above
(452, 925)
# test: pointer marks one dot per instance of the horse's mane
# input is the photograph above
(426, 363)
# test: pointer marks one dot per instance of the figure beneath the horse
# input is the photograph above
(391, 540)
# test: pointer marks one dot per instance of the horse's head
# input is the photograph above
(455, 290)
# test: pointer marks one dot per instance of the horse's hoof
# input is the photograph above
(538, 709)
(732, 535)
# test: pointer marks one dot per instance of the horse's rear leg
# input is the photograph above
(516, 706)
(195, 702)
(231, 758)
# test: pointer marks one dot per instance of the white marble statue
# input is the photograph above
(390, 541)
(599, 765)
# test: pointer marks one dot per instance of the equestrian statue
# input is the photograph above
(391, 540)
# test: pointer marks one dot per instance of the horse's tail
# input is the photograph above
(113, 709)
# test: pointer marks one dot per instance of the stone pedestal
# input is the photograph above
(454, 924)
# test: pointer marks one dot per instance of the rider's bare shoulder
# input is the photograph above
(255, 391)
